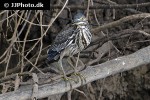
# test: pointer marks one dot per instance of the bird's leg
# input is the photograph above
(76, 70)
(77, 62)
(64, 74)
(61, 66)
(82, 64)
(62, 69)
(70, 62)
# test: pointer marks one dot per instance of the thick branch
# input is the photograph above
(91, 73)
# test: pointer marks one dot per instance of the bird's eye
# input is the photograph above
(81, 18)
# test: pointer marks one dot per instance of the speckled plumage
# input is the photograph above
(72, 39)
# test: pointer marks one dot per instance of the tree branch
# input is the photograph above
(91, 73)
(121, 21)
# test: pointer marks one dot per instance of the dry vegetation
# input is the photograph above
(119, 28)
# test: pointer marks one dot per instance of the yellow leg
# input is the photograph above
(64, 74)
(76, 71)
(62, 69)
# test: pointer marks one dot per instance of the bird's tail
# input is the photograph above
(52, 55)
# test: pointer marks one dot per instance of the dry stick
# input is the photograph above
(13, 38)
(118, 6)
(28, 60)
(55, 17)
(2, 12)
(19, 33)
(122, 34)
(95, 15)
(23, 27)
(41, 42)
(9, 77)
(88, 5)
(16, 69)
(9, 16)
(32, 23)
(26, 34)
(82, 93)
(4, 59)
(3, 15)
(91, 73)
(144, 32)
(24, 43)
(120, 21)
(101, 53)
(8, 60)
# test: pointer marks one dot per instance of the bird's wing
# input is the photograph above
(63, 39)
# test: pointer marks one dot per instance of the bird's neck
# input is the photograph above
(82, 23)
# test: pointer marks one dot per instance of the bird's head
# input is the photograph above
(79, 19)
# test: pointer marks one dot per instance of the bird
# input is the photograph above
(71, 40)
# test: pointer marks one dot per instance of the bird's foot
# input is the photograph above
(68, 79)
(81, 77)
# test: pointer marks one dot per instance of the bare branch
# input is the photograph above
(120, 21)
